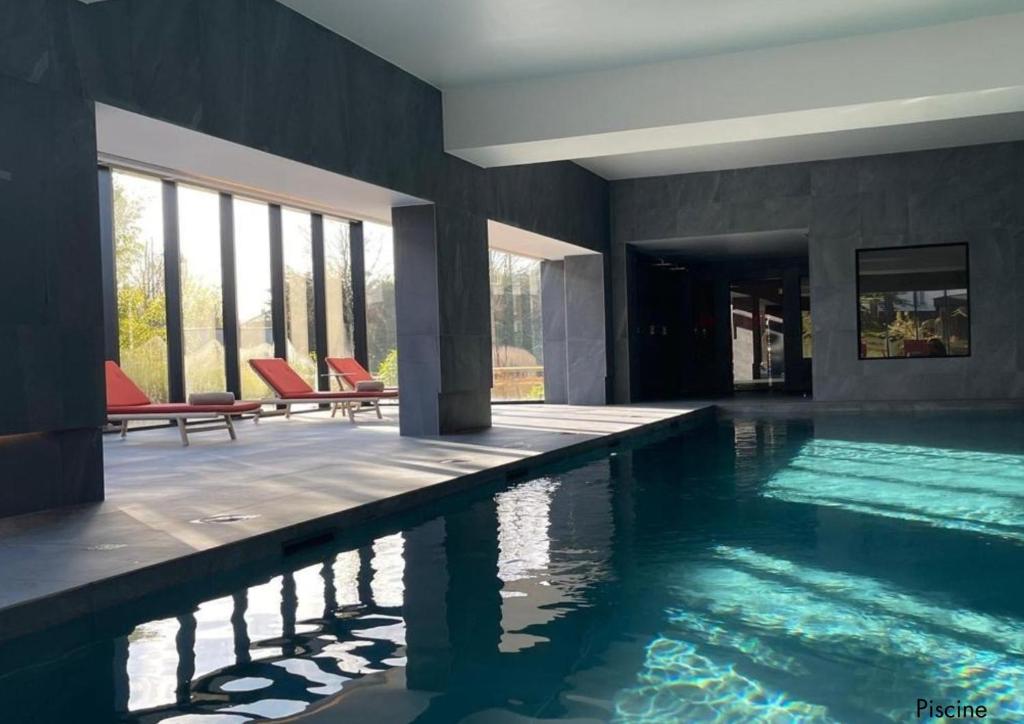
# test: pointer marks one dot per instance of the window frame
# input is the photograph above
(967, 273)
(227, 238)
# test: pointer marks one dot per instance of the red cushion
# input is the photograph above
(281, 377)
(180, 408)
(915, 347)
(350, 368)
(120, 388)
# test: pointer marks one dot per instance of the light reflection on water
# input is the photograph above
(785, 571)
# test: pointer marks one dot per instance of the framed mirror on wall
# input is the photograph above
(913, 302)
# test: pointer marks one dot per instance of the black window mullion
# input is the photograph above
(172, 290)
(357, 257)
(277, 282)
(229, 295)
(108, 255)
(319, 301)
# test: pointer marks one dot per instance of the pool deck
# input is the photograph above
(284, 480)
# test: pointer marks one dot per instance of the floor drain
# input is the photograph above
(106, 546)
(226, 518)
(449, 461)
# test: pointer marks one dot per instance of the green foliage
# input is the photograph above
(387, 370)
(381, 333)
(141, 311)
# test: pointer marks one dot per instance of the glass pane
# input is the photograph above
(141, 304)
(913, 302)
(806, 328)
(298, 292)
(382, 340)
(516, 337)
(758, 342)
(201, 309)
(338, 287)
(252, 265)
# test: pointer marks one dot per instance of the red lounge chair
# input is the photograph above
(125, 401)
(915, 348)
(291, 389)
(351, 372)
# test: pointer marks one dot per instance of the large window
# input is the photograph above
(298, 292)
(338, 288)
(913, 302)
(139, 260)
(516, 336)
(252, 264)
(382, 339)
(140, 255)
(201, 309)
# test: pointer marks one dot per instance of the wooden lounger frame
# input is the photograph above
(181, 419)
(349, 405)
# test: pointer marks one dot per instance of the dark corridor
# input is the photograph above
(684, 333)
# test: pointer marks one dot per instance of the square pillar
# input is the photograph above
(442, 306)
(586, 364)
(51, 302)
(552, 307)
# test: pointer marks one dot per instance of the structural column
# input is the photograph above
(586, 364)
(552, 306)
(442, 303)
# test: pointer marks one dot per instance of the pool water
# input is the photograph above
(837, 568)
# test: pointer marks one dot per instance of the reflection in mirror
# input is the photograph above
(913, 302)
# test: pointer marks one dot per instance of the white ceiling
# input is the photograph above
(654, 87)
(526, 243)
(452, 43)
(870, 141)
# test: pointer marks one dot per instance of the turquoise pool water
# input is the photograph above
(839, 568)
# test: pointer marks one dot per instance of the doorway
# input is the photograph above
(757, 324)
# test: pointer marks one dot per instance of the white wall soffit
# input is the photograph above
(131, 140)
(935, 74)
(526, 243)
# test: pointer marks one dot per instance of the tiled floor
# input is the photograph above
(279, 473)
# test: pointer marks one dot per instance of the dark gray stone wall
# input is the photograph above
(973, 194)
(586, 367)
(443, 313)
(249, 71)
(51, 325)
(256, 73)
(552, 307)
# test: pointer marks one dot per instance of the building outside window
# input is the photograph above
(252, 268)
(201, 302)
(381, 335)
(139, 262)
(913, 302)
(298, 292)
(516, 333)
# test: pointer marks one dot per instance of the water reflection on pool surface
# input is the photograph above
(834, 569)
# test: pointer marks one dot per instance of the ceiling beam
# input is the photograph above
(910, 78)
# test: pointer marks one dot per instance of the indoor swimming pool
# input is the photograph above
(835, 568)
